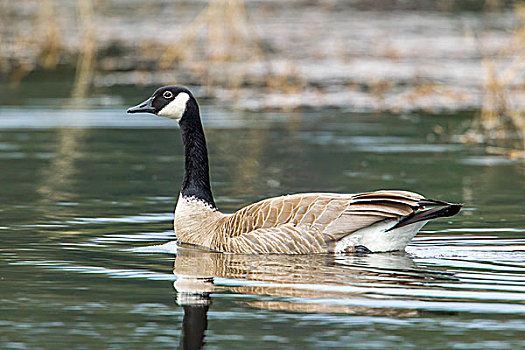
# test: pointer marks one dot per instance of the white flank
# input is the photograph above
(377, 239)
(176, 108)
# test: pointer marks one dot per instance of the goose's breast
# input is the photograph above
(196, 222)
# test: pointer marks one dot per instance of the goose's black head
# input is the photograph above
(168, 101)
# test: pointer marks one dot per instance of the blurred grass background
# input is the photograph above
(373, 56)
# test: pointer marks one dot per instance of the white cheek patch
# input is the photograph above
(176, 108)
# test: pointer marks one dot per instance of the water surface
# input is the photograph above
(86, 224)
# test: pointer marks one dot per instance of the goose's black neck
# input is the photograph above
(196, 181)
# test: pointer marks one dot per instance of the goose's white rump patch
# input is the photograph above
(378, 239)
(176, 108)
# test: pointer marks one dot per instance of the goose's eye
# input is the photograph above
(167, 95)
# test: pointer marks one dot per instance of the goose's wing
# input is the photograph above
(310, 222)
(284, 239)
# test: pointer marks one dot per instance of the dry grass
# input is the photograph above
(221, 50)
(41, 46)
(21, 62)
(500, 124)
(229, 37)
(50, 46)
(86, 59)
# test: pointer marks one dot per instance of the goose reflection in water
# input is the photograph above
(311, 283)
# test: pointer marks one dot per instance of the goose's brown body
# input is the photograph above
(294, 224)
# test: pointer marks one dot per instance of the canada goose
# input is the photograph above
(305, 223)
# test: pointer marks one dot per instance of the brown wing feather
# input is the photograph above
(310, 222)
(285, 239)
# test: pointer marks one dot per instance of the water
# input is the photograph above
(86, 223)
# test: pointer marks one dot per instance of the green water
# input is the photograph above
(86, 207)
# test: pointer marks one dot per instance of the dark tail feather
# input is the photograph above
(443, 210)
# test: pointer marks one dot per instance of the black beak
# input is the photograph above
(144, 107)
